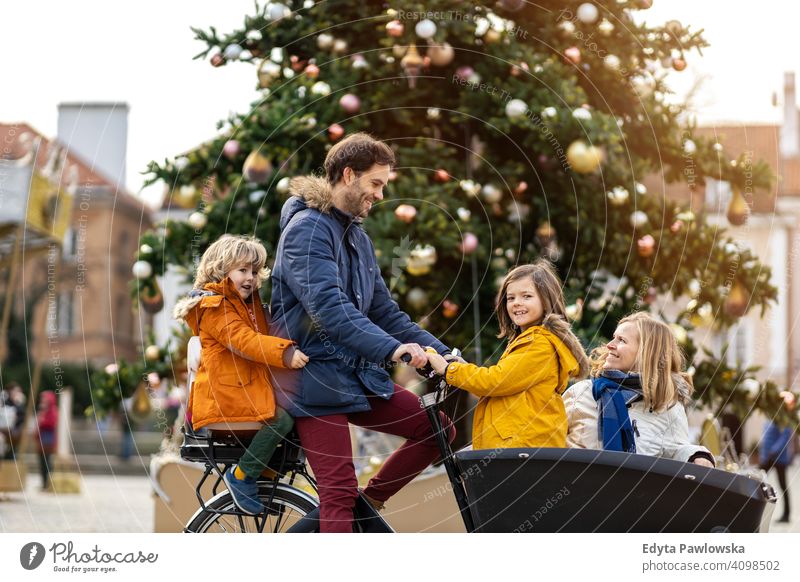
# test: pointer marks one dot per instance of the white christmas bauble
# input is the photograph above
(325, 41)
(232, 52)
(142, 269)
(181, 163)
(618, 196)
(425, 28)
(339, 46)
(751, 386)
(605, 27)
(464, 214)
(321, 88)
(308, 4)
(434, 113)
(717, 147)
(491, 193)
(246, 55)
(587, 13)
(253, 35)
(145, 249)
(276, 10)
(638, 219)
(582, 114)
(516, 108)
(197, 220)
(359, 62)
(641, 189)
(152, 353)
(549, 112)
(612, 62)
(256, 196)
(689, 147)
(470, 187)
(567, 26)
(283, 185)
(694, 287)
(270, 69)
(644, 86)
(417, 297)
(276, 55)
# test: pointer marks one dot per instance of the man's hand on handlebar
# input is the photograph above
(418, 356)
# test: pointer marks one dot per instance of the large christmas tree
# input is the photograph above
(522, 130)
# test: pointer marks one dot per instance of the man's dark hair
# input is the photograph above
(360, 152)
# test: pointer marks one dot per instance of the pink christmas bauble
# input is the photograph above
(231, 149)
(335, 132)
(573, 53)
(405, 213)
(312, 71)
(464, 73)
(647, 245)
(395, 28)
(350, 103)
(469, 243)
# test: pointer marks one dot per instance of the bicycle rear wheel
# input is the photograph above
(288, 505)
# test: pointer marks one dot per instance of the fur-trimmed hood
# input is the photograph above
(307, 192)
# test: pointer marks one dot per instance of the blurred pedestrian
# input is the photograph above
(46, 423)
(776, 451)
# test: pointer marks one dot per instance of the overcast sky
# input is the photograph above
(141, 53)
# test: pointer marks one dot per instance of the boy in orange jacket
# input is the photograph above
(232, 382)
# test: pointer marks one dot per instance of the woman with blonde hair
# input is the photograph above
(635, 401)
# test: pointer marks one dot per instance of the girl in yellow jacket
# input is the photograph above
(232, 382)
(520, 397)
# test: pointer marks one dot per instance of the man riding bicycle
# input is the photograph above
(329, 296)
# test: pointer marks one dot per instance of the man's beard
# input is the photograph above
(355, 202)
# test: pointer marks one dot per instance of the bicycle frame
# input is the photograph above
(431, 403)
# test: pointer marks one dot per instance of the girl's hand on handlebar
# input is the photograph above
(299, 360)
(703, 462)
(414, 351)
(437, 362)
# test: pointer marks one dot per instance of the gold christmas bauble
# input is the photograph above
(257, 168)
(583, 158)
(441, 55)
(738, 210)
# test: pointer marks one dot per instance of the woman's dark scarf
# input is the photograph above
(614, 390)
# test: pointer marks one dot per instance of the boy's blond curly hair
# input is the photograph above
(228, 253)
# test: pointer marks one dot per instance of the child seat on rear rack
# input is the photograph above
(223, 443)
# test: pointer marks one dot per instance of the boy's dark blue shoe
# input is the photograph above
(244, 492)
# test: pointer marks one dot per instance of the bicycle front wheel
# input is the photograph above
(288, 505)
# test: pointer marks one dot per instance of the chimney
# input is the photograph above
(790, 132)
(98, 134)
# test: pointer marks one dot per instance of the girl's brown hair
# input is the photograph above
(659, 360)
(549, 288)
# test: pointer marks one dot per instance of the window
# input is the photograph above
(66, 314)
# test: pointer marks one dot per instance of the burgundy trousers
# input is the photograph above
(326, 442)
